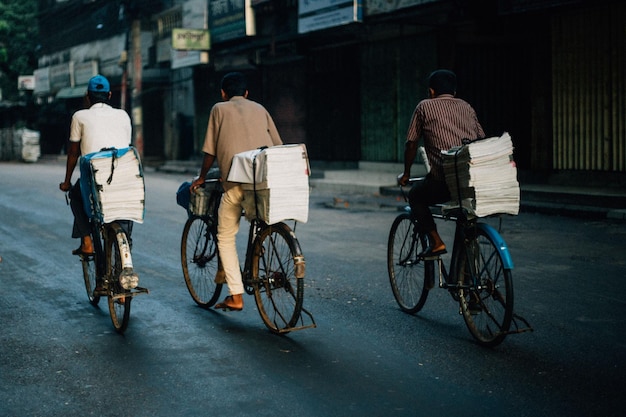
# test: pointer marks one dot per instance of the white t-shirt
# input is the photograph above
(100, 126)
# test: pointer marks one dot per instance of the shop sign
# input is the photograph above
(231, 19)
(83, 71)
(42, 80)
(191, 39)
(26, 82)
(181, 59)
(60, 76)
(322, 14)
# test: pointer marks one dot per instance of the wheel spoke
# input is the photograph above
(407, 272)
(487, 300)
(278, 293)
(199, 259)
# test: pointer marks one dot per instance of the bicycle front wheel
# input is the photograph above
(410, 276)
(89, 274)
(278, 277)
(485, 290)
(199, 258)
(118, 298)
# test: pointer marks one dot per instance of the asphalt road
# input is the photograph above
(61, 357)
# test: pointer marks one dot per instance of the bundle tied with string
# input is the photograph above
(275, 182)
(483, 176)
(112, 185)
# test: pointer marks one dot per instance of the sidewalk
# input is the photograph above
(378, 179)
(372, 184)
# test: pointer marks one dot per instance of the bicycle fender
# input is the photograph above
(500, 244)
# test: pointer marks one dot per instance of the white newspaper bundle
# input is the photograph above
(116, 185)
(485, 174)
(280, 179)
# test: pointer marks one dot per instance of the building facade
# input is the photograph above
(344, 76)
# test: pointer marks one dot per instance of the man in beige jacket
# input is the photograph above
(235, 125)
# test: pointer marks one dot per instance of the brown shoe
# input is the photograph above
(82, 252)
(85, 248)
(436, 246)
(231, 303)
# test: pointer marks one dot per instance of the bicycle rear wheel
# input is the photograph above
(89, 274)
(199, 258)
(278, 277)
(118, 298)
(485, 290)
(410, 276)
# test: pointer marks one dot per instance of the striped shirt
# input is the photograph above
(443, 122)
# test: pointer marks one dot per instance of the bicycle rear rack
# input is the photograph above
(130, 293)
(517, 328)
(300, 325)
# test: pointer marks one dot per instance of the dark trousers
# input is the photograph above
(423, 194)
(82, 225)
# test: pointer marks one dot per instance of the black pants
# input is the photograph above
(423, 194)
(82, 225)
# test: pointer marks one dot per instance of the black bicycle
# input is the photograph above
(109, 271)
(479, 276)
(274, 264)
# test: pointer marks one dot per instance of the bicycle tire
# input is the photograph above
(278, 277)
(89, 275)
(485, 293)
(410, 276)
(199, 259)
(118, 298)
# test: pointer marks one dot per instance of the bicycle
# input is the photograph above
(274, 264)
(110, 269)
(479, 276)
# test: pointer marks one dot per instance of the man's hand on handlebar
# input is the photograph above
(65, 186)
(403, 179)
(196, 183)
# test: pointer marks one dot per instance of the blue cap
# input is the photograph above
(99, 84)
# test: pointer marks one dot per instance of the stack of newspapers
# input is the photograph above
(279, 188)
(483, 173)
(120, 194)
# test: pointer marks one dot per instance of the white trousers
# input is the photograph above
(228, 218)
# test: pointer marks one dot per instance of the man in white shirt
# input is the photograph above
(97, 127)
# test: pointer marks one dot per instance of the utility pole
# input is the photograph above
(137, 110)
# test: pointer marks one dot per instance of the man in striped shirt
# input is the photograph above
(442, 121)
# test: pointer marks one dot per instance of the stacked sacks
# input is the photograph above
(483, 173)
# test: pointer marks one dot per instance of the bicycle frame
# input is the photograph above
(246, 276)
(462, 228)
(479, 276)
(98, 236)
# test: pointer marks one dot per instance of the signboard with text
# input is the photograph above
(42, 80)
(191, 39)
(231, 19)
(322, 14)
